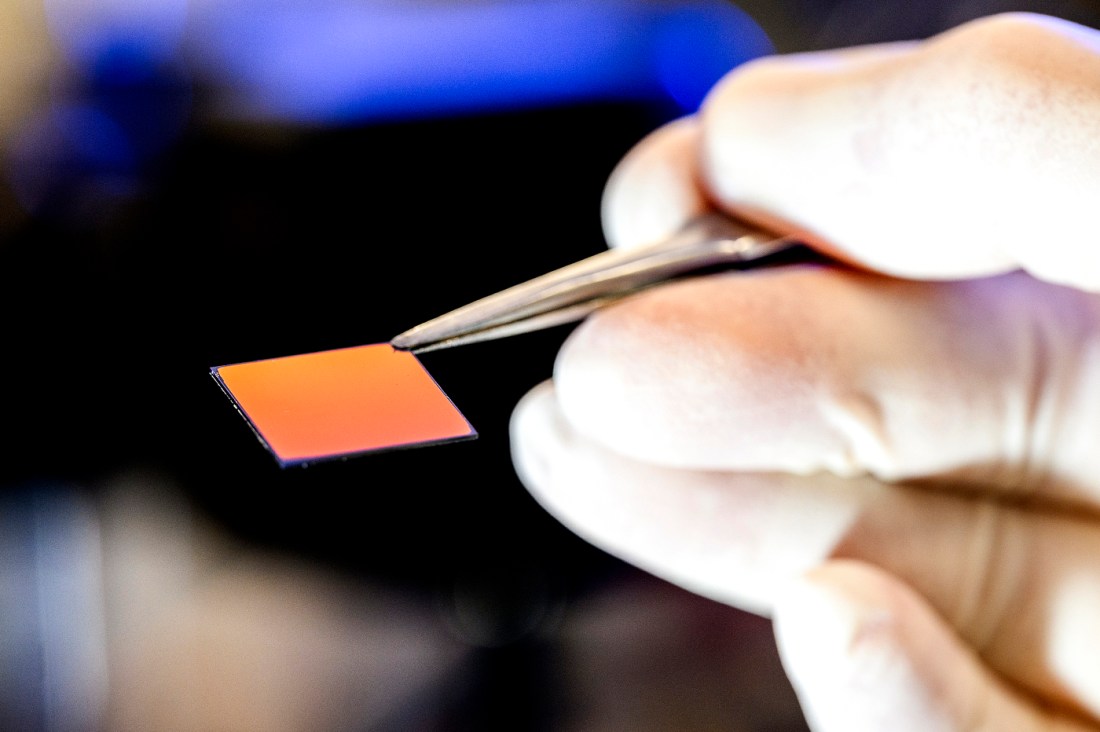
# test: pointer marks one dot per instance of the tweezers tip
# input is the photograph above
(402, 343)
(411, 339)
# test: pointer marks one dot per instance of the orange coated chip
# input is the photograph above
(317, 406)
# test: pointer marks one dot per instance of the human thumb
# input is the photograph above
(865, 652)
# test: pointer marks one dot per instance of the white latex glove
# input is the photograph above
(900, 464)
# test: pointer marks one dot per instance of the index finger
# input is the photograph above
(971, 153)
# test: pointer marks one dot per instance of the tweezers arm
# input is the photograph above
(577, 289)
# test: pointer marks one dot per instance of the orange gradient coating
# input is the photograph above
(333, 403)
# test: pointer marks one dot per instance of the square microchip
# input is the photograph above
(331, 404)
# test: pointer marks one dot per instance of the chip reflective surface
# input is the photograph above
(348, 401)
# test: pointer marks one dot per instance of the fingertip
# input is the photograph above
(964, 155)
(842, 641)
(536, 399)
(826, 146)
(532, 434)
(820, 617)
(654, 190)
(776, 129)
(865, 652)
(564, 474)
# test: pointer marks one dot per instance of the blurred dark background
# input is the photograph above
(191, 184)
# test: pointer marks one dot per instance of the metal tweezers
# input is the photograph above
(708, 243)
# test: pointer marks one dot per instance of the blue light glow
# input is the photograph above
(69, 151)
(94, 138)
(696, 45)
(89, 31)
(353, 61)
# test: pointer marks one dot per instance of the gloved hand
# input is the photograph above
(899, 461)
